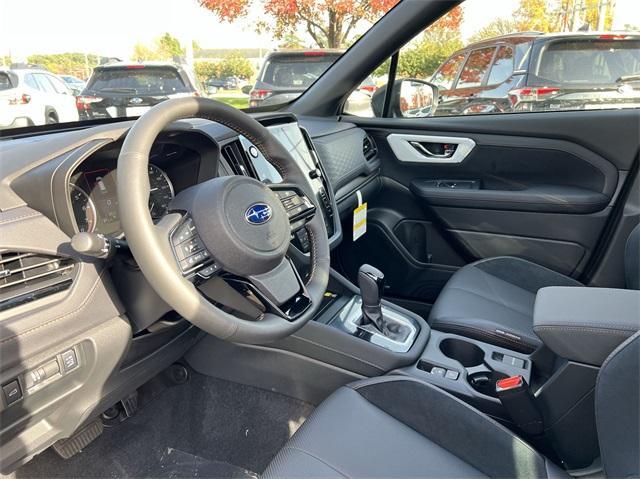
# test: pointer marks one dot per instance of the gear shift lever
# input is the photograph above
(371, 283)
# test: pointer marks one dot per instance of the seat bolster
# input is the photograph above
(455, 426)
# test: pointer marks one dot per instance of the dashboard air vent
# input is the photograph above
(25, 277)
(237, 159)
(369, 148)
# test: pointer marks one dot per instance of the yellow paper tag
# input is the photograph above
(359, 221)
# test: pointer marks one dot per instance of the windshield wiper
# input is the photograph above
(629, 78)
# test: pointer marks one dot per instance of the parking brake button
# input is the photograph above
(69, 360)
(12, 391)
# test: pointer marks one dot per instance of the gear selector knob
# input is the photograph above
(371, 284)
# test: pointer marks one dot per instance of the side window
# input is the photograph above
(448, 72)
(58, 85)
(529, 59)
(30, 80)
(476, 68)
(502, 66)
(43, 83)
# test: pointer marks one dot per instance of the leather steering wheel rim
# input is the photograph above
(151, 247)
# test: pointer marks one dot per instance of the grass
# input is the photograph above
(234, 98)
(237, 102)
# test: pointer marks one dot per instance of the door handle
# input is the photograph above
(448, 150)
(412, 148)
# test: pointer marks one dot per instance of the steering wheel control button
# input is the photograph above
(12, 392)
(298, 207)
(185, 232)
(69, 360)
(240, 220)
(208, 271)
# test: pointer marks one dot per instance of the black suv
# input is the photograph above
(539, 72)
(130, 89)
(285, 74)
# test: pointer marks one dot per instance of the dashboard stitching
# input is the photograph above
(18, 218)
(250, 137)
(66, 315)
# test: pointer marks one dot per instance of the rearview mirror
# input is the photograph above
(246, 89)
(417, 98)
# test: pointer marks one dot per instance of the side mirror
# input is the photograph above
(246, 89)
(417, 98)
(411, 98)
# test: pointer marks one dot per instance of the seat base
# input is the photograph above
(492, 300)
(395, 426)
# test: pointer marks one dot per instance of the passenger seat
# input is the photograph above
(492, 299)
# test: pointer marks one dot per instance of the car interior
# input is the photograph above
(300, 292)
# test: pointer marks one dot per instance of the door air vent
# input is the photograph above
(237, 159)
(25, 277)
(369, 148)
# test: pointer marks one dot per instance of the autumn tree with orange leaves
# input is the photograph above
(330, 23)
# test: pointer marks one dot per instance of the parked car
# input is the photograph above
(286, 74)
(130, 89)
(538, 72)
(223, 83)
(368, 85)
(75, 84)
(31, 96)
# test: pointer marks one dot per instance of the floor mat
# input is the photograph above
(176, 464)
(208, 426)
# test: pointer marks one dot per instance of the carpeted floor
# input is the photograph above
(204, 428)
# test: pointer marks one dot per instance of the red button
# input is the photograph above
(509, 383)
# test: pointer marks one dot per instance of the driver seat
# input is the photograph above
(396, 426)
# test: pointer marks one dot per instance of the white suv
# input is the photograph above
(34, 97)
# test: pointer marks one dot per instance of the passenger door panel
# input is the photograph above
(543, 188)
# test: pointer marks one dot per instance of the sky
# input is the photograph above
(113, 27)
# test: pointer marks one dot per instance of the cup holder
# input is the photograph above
(466, 353)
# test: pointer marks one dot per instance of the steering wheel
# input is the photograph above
(233, 226)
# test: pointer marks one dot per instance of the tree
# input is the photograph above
(500, 26)
(206, 70)
(77, 64)
(425, 54)
(329, 23)
(166, 47)
(562, 15)
(291, 41)
(234, 65)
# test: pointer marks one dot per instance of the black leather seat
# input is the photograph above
(396, 426)
(492, 299)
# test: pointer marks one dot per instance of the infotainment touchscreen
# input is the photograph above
(290, 136)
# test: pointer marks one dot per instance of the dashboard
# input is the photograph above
(175, 165)
(105, 313)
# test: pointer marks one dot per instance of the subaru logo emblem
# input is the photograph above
(136, 101)
(258, 214)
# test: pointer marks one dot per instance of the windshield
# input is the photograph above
(248, 54)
